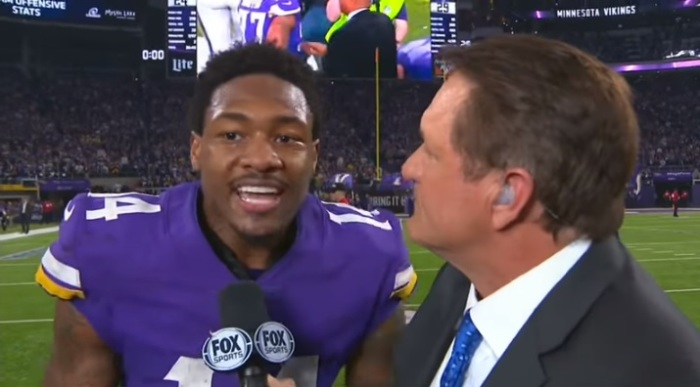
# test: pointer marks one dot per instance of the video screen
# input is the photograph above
(332, 36)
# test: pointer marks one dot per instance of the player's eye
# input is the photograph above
(287, 139)
(232, 136)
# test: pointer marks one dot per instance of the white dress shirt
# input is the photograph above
(355, 12)
(500, 316)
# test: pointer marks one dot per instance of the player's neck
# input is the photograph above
(257, 253)
(253, 253)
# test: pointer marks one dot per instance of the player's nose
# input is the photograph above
(260, 155)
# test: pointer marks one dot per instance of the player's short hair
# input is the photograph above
(556, 111)
(252, 59)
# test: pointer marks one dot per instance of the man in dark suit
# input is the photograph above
(351, 50)
(520, 186)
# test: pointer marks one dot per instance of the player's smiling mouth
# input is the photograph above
(258, 198)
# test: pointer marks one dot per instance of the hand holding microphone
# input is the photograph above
(248, 341)
(274, 382)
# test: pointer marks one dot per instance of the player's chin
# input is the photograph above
(259, 217)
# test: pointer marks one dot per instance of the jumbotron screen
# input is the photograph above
(196, 30)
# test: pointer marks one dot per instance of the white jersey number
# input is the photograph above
(121, 204)
(191, 372)
(253, 19)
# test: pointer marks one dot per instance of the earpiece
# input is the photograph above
(507, 196)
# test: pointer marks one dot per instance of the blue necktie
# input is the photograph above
(466, 342)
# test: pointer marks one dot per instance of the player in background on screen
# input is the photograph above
(219, 28)
(395, 9)
(273, 21)
(137, 276)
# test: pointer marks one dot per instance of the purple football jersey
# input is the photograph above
(417, 59)
(256, 17)
(141, 271)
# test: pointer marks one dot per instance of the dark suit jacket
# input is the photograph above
(351, 49)
(605, 324)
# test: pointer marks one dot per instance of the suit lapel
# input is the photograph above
(432, 329)
(557, 316)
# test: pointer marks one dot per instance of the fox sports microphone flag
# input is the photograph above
(274, 342)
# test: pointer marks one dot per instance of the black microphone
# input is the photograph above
(242, 307)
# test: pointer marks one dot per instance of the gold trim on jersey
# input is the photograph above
(53, 288)
(405, 291)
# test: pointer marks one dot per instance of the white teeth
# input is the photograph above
(258, 190)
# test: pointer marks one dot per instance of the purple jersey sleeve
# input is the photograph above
(399, 279)
(69, 272)
(403, 13)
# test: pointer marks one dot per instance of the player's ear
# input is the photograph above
(195, 147)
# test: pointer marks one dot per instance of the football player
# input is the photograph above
(137, 276)
(219, 28)
(273, 21)
(339, 193)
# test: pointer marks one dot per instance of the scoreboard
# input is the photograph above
(443, 29)
(181, 38)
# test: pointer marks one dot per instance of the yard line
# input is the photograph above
(683, 290)
(633, 244)
(17, 283)
(669, 259)
(39, 231)
(41, 320)
(22, 255)
(682, 254)
(691, 290)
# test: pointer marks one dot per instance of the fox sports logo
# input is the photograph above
(274, 342)
(227, 349)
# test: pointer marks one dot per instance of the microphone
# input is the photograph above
(248, 341)
(242, 310)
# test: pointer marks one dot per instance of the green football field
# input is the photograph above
(668, 247)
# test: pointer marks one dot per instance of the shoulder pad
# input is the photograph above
(386, 248)
(87, 219)
(405, 283)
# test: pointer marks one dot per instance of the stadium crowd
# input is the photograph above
(76, 125)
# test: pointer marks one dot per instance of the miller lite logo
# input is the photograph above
(274, 342)
(182, 64)
(227, 349)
